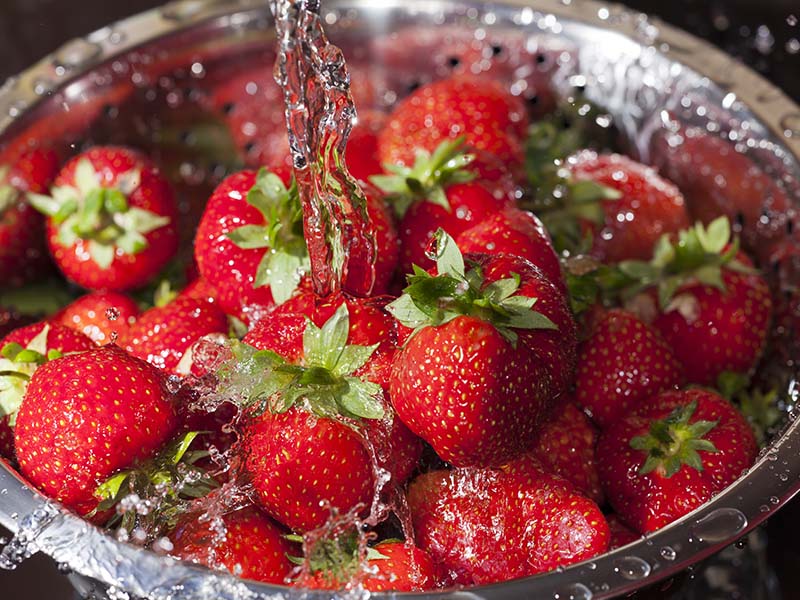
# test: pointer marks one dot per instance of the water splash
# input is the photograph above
(319, 116)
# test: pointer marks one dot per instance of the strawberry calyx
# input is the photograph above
(698, 255)
(459, 289)
(428, 177)
(100, 215)
(286, 258)
(673, 442)
(155, 494)
(325, 383)
(8, 194)
(336, 559)
(760, 408)
(17, 364)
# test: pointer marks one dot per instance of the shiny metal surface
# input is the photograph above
(632, 65)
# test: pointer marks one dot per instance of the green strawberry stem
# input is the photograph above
(427, 178)
(285, 259)
(325, 383)
(337, 557)
(673, 442)
(432, 300)
(102, 216)
(169, 482)
(8, 195)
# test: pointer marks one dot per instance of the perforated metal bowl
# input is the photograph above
(635, 67)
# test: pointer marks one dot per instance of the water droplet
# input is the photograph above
(791, 20)
(183, 10)
(112, 314)
(42, 86)
(791, 128)
(17, 108)
(591, 566)
(76, 54)
(632, 568)
(573, 591)
(667, 553)
(719, 525)
(774, 500)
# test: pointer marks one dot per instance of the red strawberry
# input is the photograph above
(671, 455)
(713, 309)
(249, 245)
(439, 191)
(245, 543)
(163, 335)
(200, 289)
(483, 367)
(647, 206)
(300, 453)
(84, 417)
(719, 180)
(565, 446)
(517, 232)
(388, 566)
(485, 526)
(491, 119)
(103, 316)
(111, 222)
(22, 352)
(622, 364)
(23, 256)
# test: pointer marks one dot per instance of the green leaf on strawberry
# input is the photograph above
(286, 258)
(324, 382)
(100, 215)
(427, 178)
(673, 442)
(458, 289)
(8, 195)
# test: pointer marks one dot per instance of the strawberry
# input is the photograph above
(517, 232)
(163, 335)
(487, 115)
(671, 455)
(565, 446)
(200, 289)
(111, 219)
(439, 191)
(336, 564)
(718, 180)
(84, 417)
(707, 302)
(490, 525)
(253, 225)
(482, 367)
(309, 430)
(22, 352)
(644, 208)
(102, 316)
(245, 543)
(622, 364)
(23, 256)
(621, 534)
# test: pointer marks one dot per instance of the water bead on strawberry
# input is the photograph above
(103, 316)
(110, 219)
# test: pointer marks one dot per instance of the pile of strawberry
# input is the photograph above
(523, 390)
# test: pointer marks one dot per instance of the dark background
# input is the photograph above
(764, 34)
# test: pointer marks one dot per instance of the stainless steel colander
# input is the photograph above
(139, 79)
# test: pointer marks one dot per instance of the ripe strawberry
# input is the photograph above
(517, 232)
(719, 180)
(23, 256)
(102, 316)
(245, 543)
(439, 191)
(482, 367)
(485, 526)
(164, 334)
(621, 534)
(671, 455)
(111, 219)
(84, 417)
(487, 115)
(712, 308)
(623, 364)
(565, 447)
(334, 564)
(306, 449)
(645, 207)
(22, 352)
(200, 289)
